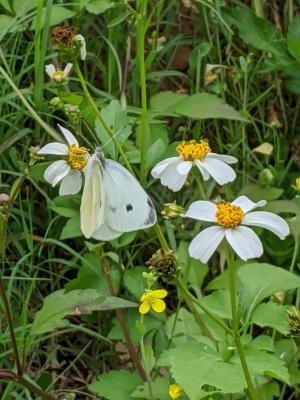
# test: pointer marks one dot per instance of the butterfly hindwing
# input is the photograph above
(128, 207)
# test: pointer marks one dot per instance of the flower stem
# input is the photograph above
(121, 320)
(189, 296)
(143, 353)
(34, 115)
(235, 327)
(141, 30)
(99, 116)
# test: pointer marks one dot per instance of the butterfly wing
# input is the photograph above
(128, 207)
(92, 201)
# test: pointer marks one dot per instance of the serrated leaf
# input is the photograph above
(160, 390)
(115, 385)
(60, 304)
(272, 315)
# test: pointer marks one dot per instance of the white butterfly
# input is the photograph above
(113, 201)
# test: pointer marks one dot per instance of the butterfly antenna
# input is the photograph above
(95, 143)
(111, 139)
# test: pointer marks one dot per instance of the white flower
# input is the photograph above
(173, 171)
(58, 75)
(68, 170)
(81, 41)
(231, 219)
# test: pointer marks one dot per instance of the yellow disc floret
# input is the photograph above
(58, 76)
(77, 157)
(191, 150)
(228, 215)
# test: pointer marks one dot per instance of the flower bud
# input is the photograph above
(172, 211)
(4, 199)
(56, 103)
(265, 177)
(297, 184)
(150, 278)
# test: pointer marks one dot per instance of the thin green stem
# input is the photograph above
(161, 238)
(34, 115)
(99, 116)
(143, 353)
(235, 327)
(141, 30)
(189, 296)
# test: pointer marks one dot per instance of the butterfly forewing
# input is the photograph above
(93, 201)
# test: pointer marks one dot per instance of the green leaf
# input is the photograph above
(154, 153)
(256, 31)
(293, 38)
(67, 206)
(21, 7)
(37, 171)
(272, 315)
(151, 323)
(193, 270)
(160, 390)
(60, 304)
(7, 142)
(149, 358)
(89, 278)
(197, 106)
(257, 282)
(58, 15)
(200, 371)
(263, 363)
(99, 6)
(218, 303)
(115, 385)
(257, 192)
(72, 228)
(116, 118)
(134, 281)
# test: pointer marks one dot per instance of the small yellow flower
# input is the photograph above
(152, 299)
(175, 391)
(297, 185)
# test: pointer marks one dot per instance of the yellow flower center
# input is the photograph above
(228, 215)
(77, 157)
(192, 150)
(58, 76)
(297, 185)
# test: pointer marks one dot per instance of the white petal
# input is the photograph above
(206, 242)
(104, 233)
(56, 172)
(184, 167)
(50, 69)
(71, 183)
(67, 69)
(170, 177)
(161, 166)
(269, 221)
(203, 171)
(246, 204)
(81, 40)
(56, 148)
(222, 157)
(220, 171)
(202, 210)
(244, 242)
(70, 138)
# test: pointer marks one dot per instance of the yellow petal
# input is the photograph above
(144, 297)
(144, 307)
(159, 294)
(158, 305)
(175, 391)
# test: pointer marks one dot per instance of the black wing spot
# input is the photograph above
(113, 209)
(129, 207)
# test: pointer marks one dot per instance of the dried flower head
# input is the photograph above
(67, 42)
(164, 264)
(294, 321)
